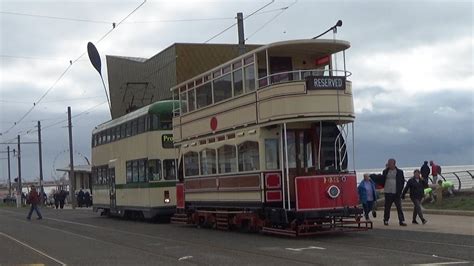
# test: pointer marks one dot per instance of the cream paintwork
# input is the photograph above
(145, 145)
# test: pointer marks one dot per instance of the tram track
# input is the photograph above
(355, 242)
(193, 243)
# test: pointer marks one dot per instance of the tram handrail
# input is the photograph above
(300, 76)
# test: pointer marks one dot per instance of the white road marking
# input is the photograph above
(32, 248)
(301, 249)
(444, 263)
(70, 222)
(185, 258)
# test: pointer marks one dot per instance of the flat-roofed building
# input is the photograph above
(136, 82)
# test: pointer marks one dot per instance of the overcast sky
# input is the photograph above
(412, 65)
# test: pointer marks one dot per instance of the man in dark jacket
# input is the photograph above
(394, 181)
(415, 185)
(34, 199)
(425, 171)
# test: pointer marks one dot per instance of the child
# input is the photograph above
(367, 195)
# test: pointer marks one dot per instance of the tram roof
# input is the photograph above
(316, 46)
(160, 107)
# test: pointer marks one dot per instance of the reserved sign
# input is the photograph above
(325, 83)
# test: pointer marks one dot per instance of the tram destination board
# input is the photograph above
(325, 83)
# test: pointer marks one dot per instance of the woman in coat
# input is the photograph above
(367, 195)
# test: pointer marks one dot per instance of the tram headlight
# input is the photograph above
(334, 191)
(167, 196)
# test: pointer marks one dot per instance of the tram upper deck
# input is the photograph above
(293, 80)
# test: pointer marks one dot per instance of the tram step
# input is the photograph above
(179, 218)
(276, 231)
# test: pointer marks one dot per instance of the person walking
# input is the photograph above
(394, 181)
(425, 171)
(34, 199)
(87, 199)
(434, 172)
(62, 198)
(56, 199)
(80, 198)
(415, 185)
(367, 195)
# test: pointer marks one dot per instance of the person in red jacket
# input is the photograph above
(434, 172)
(34, 199)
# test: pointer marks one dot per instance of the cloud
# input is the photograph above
(411, 63)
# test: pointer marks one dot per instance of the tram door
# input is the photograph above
(112, 192)
(301, 155)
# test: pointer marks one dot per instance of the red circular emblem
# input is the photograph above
(213, 124)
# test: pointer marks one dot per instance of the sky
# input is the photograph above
(412, 65)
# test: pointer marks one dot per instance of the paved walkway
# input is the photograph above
(449, 224)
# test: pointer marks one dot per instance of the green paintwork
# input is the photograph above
(146, 185)
(163, 107)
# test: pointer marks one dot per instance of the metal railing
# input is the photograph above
(298, 75)
(464, 179)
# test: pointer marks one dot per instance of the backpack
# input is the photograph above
(439, 169)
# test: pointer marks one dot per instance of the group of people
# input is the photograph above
(84, 199)
(59, 198)
(393, 181)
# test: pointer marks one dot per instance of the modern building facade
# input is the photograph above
(136, 82)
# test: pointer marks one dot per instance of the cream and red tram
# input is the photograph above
(134, 164)
(262, 142)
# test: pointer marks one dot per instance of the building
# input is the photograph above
(136, 82)
(82, 176)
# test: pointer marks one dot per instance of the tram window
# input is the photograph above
(204, 95)
(222, 88)
(191, 99)
(227, 159)
(154, 122)
(141, 124)
(191, 164)
(184, 103)
(129, 128)
(113, 134)
(129, 172)
(249, 76)
(249, 156)
(134, 171)
(134, 126)
(169, 169)
(271, 154)
(238, 85)
(154, 170)
(291, 143)
(119, 132)
(208, 162)
(141, 171)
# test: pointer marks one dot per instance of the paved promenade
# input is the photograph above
(81, 237)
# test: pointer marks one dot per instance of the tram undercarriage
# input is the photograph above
(276, 221)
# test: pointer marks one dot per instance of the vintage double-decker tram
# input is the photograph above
(134, 164)
(262, 142)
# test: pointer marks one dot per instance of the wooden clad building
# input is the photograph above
(136, 82)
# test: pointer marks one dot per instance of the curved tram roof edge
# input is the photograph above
(158, 107)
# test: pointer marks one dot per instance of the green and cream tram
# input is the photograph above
(134, 163)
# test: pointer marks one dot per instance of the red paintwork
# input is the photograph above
(311, 192)
(272, 180)
(180, 196)
(273, 195)
(213, 124)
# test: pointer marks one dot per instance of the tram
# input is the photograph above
(262, 142)
(134, 164)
